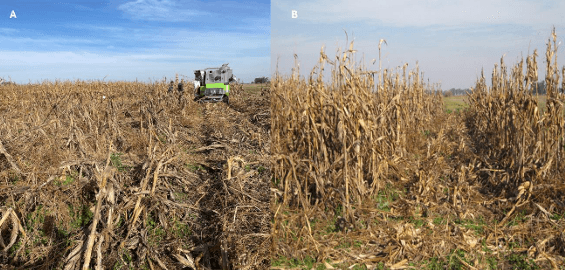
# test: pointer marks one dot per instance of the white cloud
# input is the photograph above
(92, 27)
(158, 40)
(31, 58)
(155, 10)
(212, 42)
(21, 66)
(8, 31)
(49, 42)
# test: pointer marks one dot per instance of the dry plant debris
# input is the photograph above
(375, 175)
(120, 175)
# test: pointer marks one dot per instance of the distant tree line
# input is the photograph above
(541, 89)
(456, 92)
(538, 88)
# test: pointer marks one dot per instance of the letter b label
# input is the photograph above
(294, 14)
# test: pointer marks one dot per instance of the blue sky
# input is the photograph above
(451, 39)
(129, 39)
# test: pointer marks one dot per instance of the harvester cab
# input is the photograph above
(212, 84)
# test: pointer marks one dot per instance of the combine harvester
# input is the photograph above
(3, 82)
(212, 84)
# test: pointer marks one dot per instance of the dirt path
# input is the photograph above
(234, 216)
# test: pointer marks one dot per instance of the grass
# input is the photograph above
(255, 88)
(455, 103)
(459, 103)
(306, 263)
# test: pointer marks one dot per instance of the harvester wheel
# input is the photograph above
(226, 99)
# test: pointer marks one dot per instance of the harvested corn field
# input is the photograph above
(122, 175)
(370, 172)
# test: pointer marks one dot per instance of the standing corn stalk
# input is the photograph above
(342, 139)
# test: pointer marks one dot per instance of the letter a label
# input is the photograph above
(13, 15)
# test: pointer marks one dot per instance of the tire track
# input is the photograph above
(235, 228)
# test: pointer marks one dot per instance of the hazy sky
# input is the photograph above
(129, 39)
(451, 39)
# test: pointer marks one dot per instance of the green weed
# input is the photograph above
(116, 161)
(261, 169)
(358, 243)
(69, 179)
(182, 229)
(476, 225)
(426, 133)
(194, 167)
(417, 222)
(163, 138)
(338, 210)
(181, 196)
(518, 261)
(519, 218)
(35, 217)
(275, 181)
(557, 217)
(156, 232)
(434, 264)
(80, 217)
(13, 178)
(14, 248)
(492, 262)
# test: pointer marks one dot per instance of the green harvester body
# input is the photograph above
(212, 84)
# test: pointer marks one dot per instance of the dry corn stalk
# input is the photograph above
(17, 229)
(337, 129)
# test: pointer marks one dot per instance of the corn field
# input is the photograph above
(507, 122)
(376, 173)
(122, 175)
